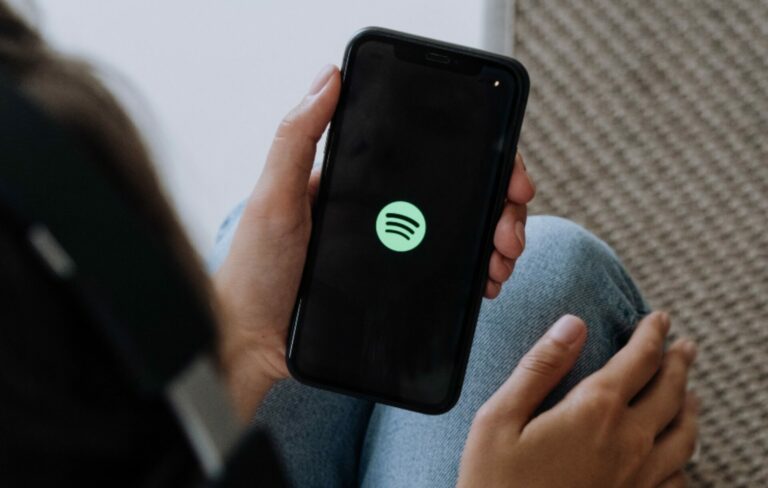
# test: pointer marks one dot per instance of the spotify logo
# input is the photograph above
(401, 226)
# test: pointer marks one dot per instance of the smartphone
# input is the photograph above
(417, 162)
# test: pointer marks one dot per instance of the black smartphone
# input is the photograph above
(417, 162)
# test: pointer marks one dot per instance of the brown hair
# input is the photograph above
(69, 92)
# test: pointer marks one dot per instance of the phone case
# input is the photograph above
(521, 75)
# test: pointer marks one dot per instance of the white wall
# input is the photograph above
(214, 78)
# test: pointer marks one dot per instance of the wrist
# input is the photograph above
(251, 347)
(247, 385)
(241, 360)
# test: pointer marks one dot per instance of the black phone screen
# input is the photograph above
(413, 168)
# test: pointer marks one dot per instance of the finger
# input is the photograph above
(676, 445)
(636, 363)
(499, 267)
(539, 371)
(492, 289)
(657, 405)
(521, 189)
(286, 172)
(314, 184)
(509, 237)
(677, 480)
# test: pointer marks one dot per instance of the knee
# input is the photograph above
(568, 264)
(565, 269)
(566, 247)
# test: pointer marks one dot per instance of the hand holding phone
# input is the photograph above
(256, 291)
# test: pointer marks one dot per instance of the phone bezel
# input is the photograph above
(414, 48)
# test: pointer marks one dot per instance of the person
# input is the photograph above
(594, 400)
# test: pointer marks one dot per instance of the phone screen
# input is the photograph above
(414, 163)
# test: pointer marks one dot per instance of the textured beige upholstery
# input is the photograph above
(648, 124)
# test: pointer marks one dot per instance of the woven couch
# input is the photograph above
(648, 124)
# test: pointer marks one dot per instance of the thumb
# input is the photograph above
(286, 172)
(539, 371)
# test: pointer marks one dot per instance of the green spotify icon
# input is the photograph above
(401, 226)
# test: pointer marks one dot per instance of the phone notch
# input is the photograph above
(437, 58)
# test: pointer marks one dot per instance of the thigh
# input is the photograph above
(564, 269)
(318, 434)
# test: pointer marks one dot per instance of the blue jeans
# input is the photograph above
(328, 440)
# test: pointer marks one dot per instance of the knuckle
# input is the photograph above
(487, 416)
(490, 427)
(606, 399)
(288, 123)
(545, 360)
(600, 401)
(294, 126)
(605, 395)
(691, 440)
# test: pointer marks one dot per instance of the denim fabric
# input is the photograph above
(327, 439)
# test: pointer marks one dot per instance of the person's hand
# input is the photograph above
(257, 284)
(258, 281)
(509, 238)
(630, 424)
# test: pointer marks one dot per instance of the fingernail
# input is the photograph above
(567, 329)
(696, 456)
(520, 232)
(321, 79)
(690, 350)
